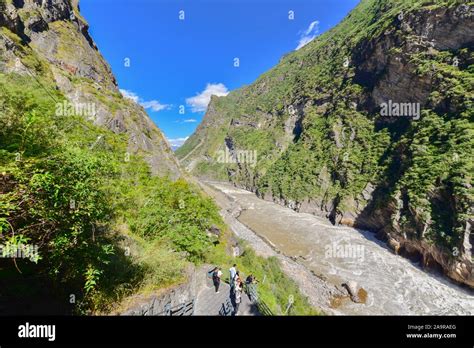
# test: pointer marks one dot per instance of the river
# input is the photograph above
(309, 245)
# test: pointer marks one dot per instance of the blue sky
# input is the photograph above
(171, 65)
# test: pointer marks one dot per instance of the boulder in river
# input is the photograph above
(352, 288)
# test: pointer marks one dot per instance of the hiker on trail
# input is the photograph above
(216, 278)
(211, 272)
(233, 272)
(237, 279)
(251, 279)
(237, 296)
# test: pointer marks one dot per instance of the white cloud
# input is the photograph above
(129, 95)
(190, 120)
(154, 105)
(200, 102)
(309, 34)
(177, 142)
(314, 25)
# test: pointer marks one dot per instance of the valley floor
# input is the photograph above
(307, 247)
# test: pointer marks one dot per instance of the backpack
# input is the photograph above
(215, 276)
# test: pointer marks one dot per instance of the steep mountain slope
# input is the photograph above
(50, 39)
(369, 125)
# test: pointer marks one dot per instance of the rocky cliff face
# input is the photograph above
(50, 39)
(369, 125)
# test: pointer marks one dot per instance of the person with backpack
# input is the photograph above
(237, 279)
(251, 279)
(237, 296)
(232, 273)
(216, 278)
(250, 282)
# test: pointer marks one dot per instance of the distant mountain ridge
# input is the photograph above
(325, 146)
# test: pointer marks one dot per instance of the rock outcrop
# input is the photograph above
(156, 304)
